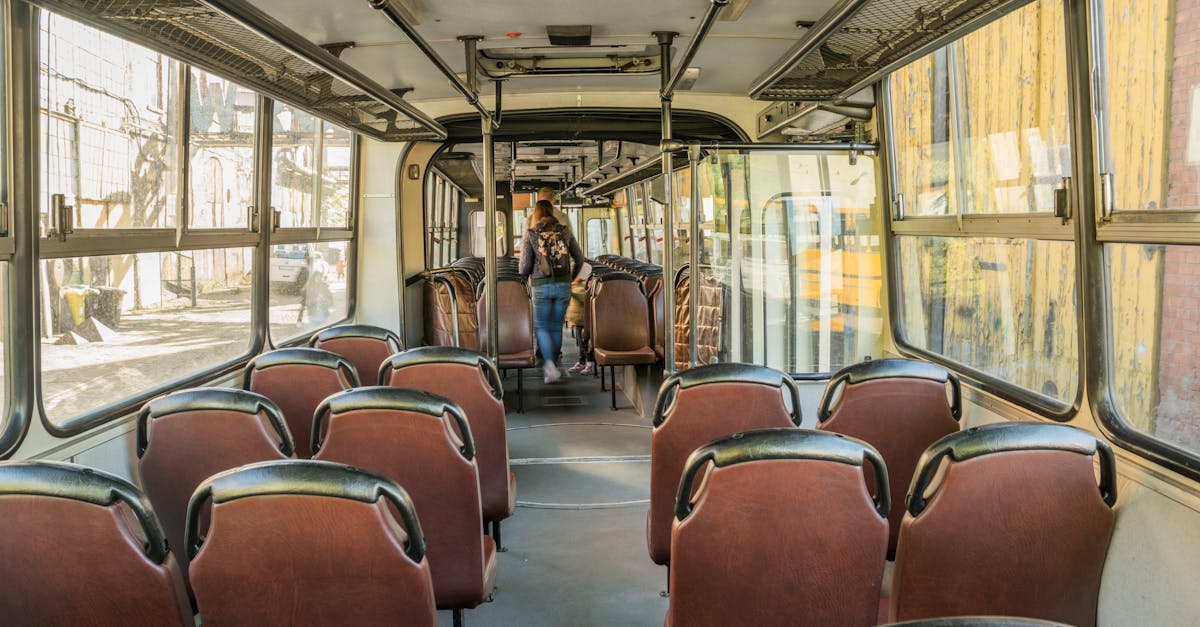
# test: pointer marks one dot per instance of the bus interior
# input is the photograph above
(891, 312)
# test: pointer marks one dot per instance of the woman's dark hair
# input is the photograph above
(543, 211)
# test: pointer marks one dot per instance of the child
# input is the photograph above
(575, 318)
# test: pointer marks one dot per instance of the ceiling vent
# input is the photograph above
(580, 35)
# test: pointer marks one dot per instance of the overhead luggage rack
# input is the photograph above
(240, 42)
(859, 41)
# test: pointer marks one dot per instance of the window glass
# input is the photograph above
(295, 184)
(336, 172)
(119, 325)
(637, 222)
(308, 287)
(800, 274)
(108, 116)
(1005, 307)
(221, 147)
(920, 94)
(1153, 104)
(600, 234)
(479, 234)
(982, 125)
(1156, 339)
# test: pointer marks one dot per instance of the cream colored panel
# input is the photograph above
(378, 302)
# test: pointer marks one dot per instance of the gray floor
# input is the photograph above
(577, 542)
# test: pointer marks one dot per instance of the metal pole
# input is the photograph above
(396, 18)
(689, 53)
(694, 244)
(664, 47)
(489, 226)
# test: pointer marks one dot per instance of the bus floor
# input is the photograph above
(577, 541)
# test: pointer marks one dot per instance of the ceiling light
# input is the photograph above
(690, 76)
(733, 12)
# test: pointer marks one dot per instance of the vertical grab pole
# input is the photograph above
(664, 48)
(694, 249)
(489, 226)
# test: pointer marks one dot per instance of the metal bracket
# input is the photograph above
(1062, 200)
(4, 219)
(1107, 196)
(898, 208)
(252, 218)
(62, 217)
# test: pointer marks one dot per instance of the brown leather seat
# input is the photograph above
(654, 295)
(82, 547)
(470, 380)
(302, 542)
(709, 325)
(780, 531)
(515, 346)
(620, 325)
(188, 436)
(424, 442)
(297, 380)
(450, 318)
(900, 407)
(1007, 520)
(697, 406)
(364, 345)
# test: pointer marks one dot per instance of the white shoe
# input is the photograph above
(552, 374)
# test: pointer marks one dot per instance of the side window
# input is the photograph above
(310, 252)
(479, 234)
(600, 232)
(1149, 142)
(982, 135)
(220, 152)
(118, 320)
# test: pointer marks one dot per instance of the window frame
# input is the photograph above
(1088, 69)
(1028, 226)
(21, 43)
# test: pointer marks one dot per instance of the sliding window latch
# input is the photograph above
(276, 218)
(898, 208)
(1062, 200)
(62, 217)
(4, 218)
(252, 218)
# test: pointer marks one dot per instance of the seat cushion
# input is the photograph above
(643, 355)
(523, 359)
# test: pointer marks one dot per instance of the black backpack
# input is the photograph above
(553, 254)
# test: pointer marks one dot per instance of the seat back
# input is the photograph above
(188, 436)
(900, 407)
(697, 406)
(364, 345)
(307, 543)
(450, 318)
(709, 324)
(620, 315)
(423, 442)
(297, 380)
(514, 317)
(1007, 520)
(471, 381)
(82, 547)
(780, 531)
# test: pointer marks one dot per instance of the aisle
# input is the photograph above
(577, 542)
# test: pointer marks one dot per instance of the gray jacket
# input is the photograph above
(531, 264)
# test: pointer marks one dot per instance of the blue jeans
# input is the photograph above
(549, 310)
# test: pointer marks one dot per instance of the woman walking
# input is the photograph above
(551, 258)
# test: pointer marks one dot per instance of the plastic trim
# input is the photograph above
(777, 444)
(79, 483)
(890, 368)
(1009, 437)
(213, 399)
(303, 478)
